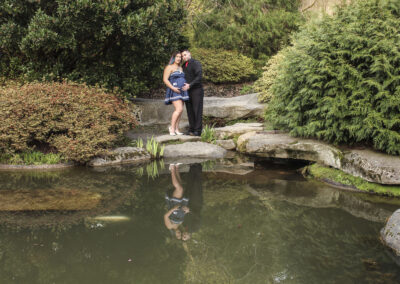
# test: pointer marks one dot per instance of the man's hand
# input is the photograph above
(185, 87)
(176, 90)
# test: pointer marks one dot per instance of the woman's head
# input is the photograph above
(175, 58)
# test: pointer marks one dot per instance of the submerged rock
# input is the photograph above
(390, 234)
(122, 155)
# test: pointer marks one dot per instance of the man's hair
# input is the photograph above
(187, 50)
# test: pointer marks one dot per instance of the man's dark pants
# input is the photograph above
(194, 108)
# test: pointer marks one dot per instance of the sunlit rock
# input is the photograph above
(237, 129)
(194, 149)
(226, 144)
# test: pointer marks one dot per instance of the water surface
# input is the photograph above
(244, 225)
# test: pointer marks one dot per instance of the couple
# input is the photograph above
(184, 85)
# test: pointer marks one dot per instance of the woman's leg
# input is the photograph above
(179, 117)
(178, 105)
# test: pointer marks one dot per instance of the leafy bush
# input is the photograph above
(222, 66)
(256, 28)
(264, 83)
(122, 43)
(74, 120)
(340, 82)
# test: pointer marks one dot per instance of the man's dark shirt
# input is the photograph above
(193, 73)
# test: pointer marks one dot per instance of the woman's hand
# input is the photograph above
(176, 90)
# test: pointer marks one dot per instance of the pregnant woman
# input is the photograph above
(174, 79)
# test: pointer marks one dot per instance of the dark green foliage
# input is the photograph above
(120, 43)
(256, 28)
(340, 82)
(222, 66)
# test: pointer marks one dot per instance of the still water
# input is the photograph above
(225, 222)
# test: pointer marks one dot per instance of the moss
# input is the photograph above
(337, 176)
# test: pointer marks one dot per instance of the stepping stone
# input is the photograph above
(237, 129)
(183, 138)
(194, 150)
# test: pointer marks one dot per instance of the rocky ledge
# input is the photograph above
(122, 155)
(366, 164)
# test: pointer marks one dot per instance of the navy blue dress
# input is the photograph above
(177, 79)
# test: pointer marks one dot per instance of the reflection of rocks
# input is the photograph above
(320, 196)
(122, 155)
(391, 233)
(53, 199)
(369, 165)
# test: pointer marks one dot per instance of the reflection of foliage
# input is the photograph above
(208, 165)
(152, 169)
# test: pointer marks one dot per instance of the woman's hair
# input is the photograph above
(172, 60)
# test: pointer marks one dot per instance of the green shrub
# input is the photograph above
(122, 43)
(222, 66)
(76, 121)
(340, 81)
(255, 28)
(264, 83)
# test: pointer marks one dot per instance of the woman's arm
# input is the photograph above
(167, 72)
(168, 222)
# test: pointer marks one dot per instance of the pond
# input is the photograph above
(210, 222)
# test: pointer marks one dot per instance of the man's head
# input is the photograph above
(186, 55)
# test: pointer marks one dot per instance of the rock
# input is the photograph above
(226, 144)
(156, 112)
(372, 166)
(390, 234)
(272, 145)
(184, 138)
(237, 129)
(122, 155)
(233, 108)
(194, 149)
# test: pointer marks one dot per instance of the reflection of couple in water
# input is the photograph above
(184, 205)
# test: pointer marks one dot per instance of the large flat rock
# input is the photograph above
(390, 234)
(233, 108)
(369, 165)
(177, 138)
(237, 129)
(272, 145)
(156, 112)
(372, 166)
(194, 150)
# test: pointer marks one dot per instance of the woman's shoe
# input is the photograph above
(178, 133)
(172, 133)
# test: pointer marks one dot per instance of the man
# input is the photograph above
(194, 106)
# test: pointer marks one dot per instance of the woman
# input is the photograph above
(174, 78)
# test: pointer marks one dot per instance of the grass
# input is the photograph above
(154, 148)
(32, 158)
(208, 134)
(324, 173)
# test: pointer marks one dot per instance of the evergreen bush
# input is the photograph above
(264, 83)
(340, 82)
(255, 28)
(223, 66)
(121, 43)
(74, 120)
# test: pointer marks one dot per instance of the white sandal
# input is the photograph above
(178, 133)
(172, 133)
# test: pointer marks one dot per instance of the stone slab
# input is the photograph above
(169, 138)
(237, 129)
(226, 144)
(194, 150)
(390, 234)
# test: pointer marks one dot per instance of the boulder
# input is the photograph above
(390, 234)
(226, 144)
(194, 150)
(372, 166)
(151, 111)
(278, 145)
(237, 129)
(122, 155)
(233, 108)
